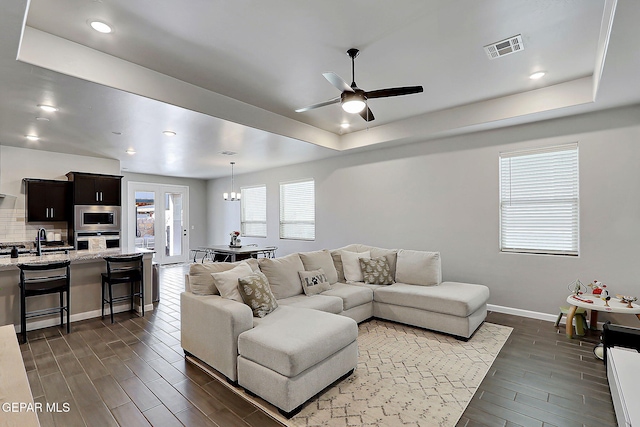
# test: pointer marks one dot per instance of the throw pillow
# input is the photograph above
(418, 268)
(390, 254)
(314, 282)
(256, 293)
(351, 265)
(227, 281)
(200, 280)
(282, 274)
(376, 271)
(320, 259)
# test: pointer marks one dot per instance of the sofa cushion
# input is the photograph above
(291, 340)
(329, 304)
(418, 267)
(314, 281)
(352, 295)
(337, 259)
(457, 299)
(282, 274)
(376, 271)
(256, 293)
(320, 259)
(200, 280)
(351, 265)
(227, 281)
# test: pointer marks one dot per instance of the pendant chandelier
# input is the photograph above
(234, 196)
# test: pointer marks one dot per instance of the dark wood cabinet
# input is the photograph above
(47, 200)
(95, 189)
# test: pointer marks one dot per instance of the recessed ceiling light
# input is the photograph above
(42, 119)
(538, 75)
(169, 133)
(32, 137)
(48, 108)
(130, 151)
(344, 125)
(101, 27)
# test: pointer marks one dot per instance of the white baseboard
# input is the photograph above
(55, 321)
(523, 313)
(531, 314)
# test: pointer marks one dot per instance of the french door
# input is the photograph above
(158, 218)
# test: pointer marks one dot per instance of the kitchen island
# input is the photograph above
(85, 295)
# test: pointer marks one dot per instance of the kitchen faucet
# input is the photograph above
(42, 235)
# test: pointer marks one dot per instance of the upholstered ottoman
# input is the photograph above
(294, 353)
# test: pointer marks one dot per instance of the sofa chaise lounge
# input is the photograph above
(310, 340)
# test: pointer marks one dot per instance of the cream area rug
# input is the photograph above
(406, 376)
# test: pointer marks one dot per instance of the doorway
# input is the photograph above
(159, 218)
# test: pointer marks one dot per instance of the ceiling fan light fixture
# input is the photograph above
(353, 102)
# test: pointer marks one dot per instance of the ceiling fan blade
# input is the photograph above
(367, 114)
(394, 91)
(318, 105)
(338, 82)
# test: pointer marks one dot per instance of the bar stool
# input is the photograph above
(42, 279)
(123, 269)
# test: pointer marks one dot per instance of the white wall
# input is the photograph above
(197, 202)
(443, 195)
(18, 163)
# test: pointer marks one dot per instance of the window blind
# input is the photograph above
(253, 211)
(298, 210)
(539, 205)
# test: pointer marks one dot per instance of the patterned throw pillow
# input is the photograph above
(376, 271)
(256, 293)
(314, 281)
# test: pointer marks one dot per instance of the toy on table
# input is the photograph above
(600, 289)
(627, 300)
(576, 287)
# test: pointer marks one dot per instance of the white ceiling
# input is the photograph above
(229, 75)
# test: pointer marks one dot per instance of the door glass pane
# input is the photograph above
(145, 219)
(173, 224)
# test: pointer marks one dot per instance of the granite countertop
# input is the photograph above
(8, 263)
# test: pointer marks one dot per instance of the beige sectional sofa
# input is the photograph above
(310, 340)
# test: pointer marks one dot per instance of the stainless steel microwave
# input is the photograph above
(96, 218)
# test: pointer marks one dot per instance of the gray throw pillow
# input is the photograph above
(256, 293)
(314, 281)
(376, 271)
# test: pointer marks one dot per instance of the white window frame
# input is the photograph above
(539, 201)
(247, 197)
(287, 217)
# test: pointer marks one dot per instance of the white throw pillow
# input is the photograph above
(351, 265)
(200, 280)
(227, 281)
(418, 268)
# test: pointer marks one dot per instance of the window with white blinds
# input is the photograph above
(298, 210)
(253, 211)
(539, 203)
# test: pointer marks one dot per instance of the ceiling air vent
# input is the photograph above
(228, 153)
(504, 47)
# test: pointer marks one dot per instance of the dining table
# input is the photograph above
(229, 253)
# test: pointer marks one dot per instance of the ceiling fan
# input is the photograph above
(354, 99)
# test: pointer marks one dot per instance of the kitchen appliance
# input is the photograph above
(82, 239)
(93, 218)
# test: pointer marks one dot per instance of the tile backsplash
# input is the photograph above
(14, 228)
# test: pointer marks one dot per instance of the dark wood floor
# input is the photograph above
(133, 373)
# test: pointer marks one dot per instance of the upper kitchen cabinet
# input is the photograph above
(47, 200)
(95, 189)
